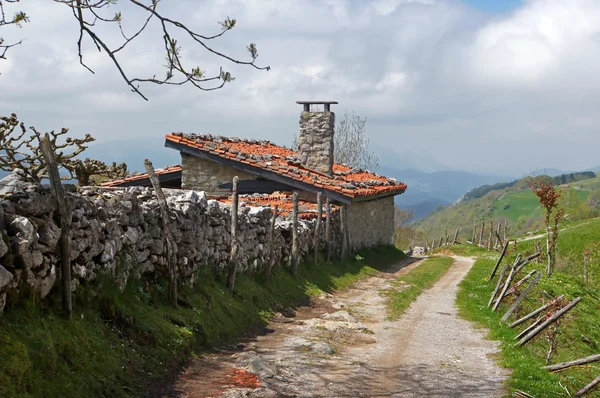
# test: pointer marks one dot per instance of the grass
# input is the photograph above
(578, 332)
(125, 344)
(409, 286)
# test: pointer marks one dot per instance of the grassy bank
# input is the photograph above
(578, 332)
(410, 286)
(126, 344)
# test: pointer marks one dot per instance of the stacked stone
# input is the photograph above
(118, 233)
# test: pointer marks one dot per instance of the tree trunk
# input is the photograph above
(548, 252)
(64, 222)
(166, 221)
(233, 255)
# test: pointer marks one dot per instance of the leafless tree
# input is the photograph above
(92, 15)
(20, 150)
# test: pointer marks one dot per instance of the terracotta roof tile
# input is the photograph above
(306, 210)
(285, 162)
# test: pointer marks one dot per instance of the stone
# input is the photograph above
(320, 347)
(5, 277)
(16, 182)
(3, 247)
(24, 228)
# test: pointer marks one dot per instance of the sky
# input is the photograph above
(487, 86)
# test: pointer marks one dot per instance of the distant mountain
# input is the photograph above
(426, 191)
(421, 161)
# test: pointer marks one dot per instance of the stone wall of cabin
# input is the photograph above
(205, 175)
(371, 223)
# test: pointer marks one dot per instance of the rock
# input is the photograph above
(16, 182)
(320, 347)
(2, 302)
(259, 366)
(340, 316)
(130, 237)
(3, 247)
(24, 228)
(5, 277)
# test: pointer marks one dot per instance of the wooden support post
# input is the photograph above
(433, 244)
(233, 255)
(514, 287)
(455, 237)
(328, 228)
(505, 231)
(530, 327)
(347, 227)
(577, 362)
(536, 312)
(294, 265)
(526, 261)
(474, 233)
(166, 224)
(500, 281)
(489, 245)
(343, 232)
(64, 222)
(481, 232)
(548, 322)
(498, 235)
(272, 243)
(441, 241)
(445, 237)
(522, 296)
(511, 275)
(588, 387)
(499, 261)
(317, 240)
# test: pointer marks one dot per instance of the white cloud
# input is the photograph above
(427, 74)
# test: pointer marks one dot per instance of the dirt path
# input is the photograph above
(343, 346)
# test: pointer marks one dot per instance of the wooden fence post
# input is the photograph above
(64, 222)
(455, 237)
(317, 239)
(505, 230)
(272, 243)
(489, 245)
(497, 234)
(514, 306)
(446, 237)
(474, 233)
(511, 275)
(499, 261)
(536, 312)
(294, 264)
(328, 228)
(343, 231)
(548, 322)
(481, 232)
(166, 224)
(347, 227)
(589, 387)
(233, 257)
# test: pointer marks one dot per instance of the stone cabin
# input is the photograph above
(209, 163)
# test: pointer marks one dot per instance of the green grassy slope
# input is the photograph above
(578, 331)
(126, 344)
(518, 205)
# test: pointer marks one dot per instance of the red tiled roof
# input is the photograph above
(306, 210)
(285, 162)
(141, 176)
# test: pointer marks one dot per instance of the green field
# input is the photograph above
(579, 330)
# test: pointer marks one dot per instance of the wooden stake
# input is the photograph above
(474, 232)
(343, 232)
(511, 275)
(433, 244)
(328, 228)
(455, 237)
(499, 261)
(348, 246)
(446, 237)
(489, 245)
(497, 235)
(317, 240)
(565, 365)
(64, 222)
(514, 287)
(481, 233)
(530, 328)
(505, 230)
(294, 265)
(588, 387)
(498, 284)
(166, 224)
(514, 306)
(534, 313)
(548, 322)
(272, 243)
(234, 243)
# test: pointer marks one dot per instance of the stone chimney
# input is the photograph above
(315, 143)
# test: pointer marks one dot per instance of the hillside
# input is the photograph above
(516, 204)
(576, 336)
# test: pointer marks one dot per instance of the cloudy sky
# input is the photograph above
(494, 86)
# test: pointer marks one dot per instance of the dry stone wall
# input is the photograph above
(371, 223)
(118, 233)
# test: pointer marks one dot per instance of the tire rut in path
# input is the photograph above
(427, 352)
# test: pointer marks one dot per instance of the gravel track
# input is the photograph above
(344, 346)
